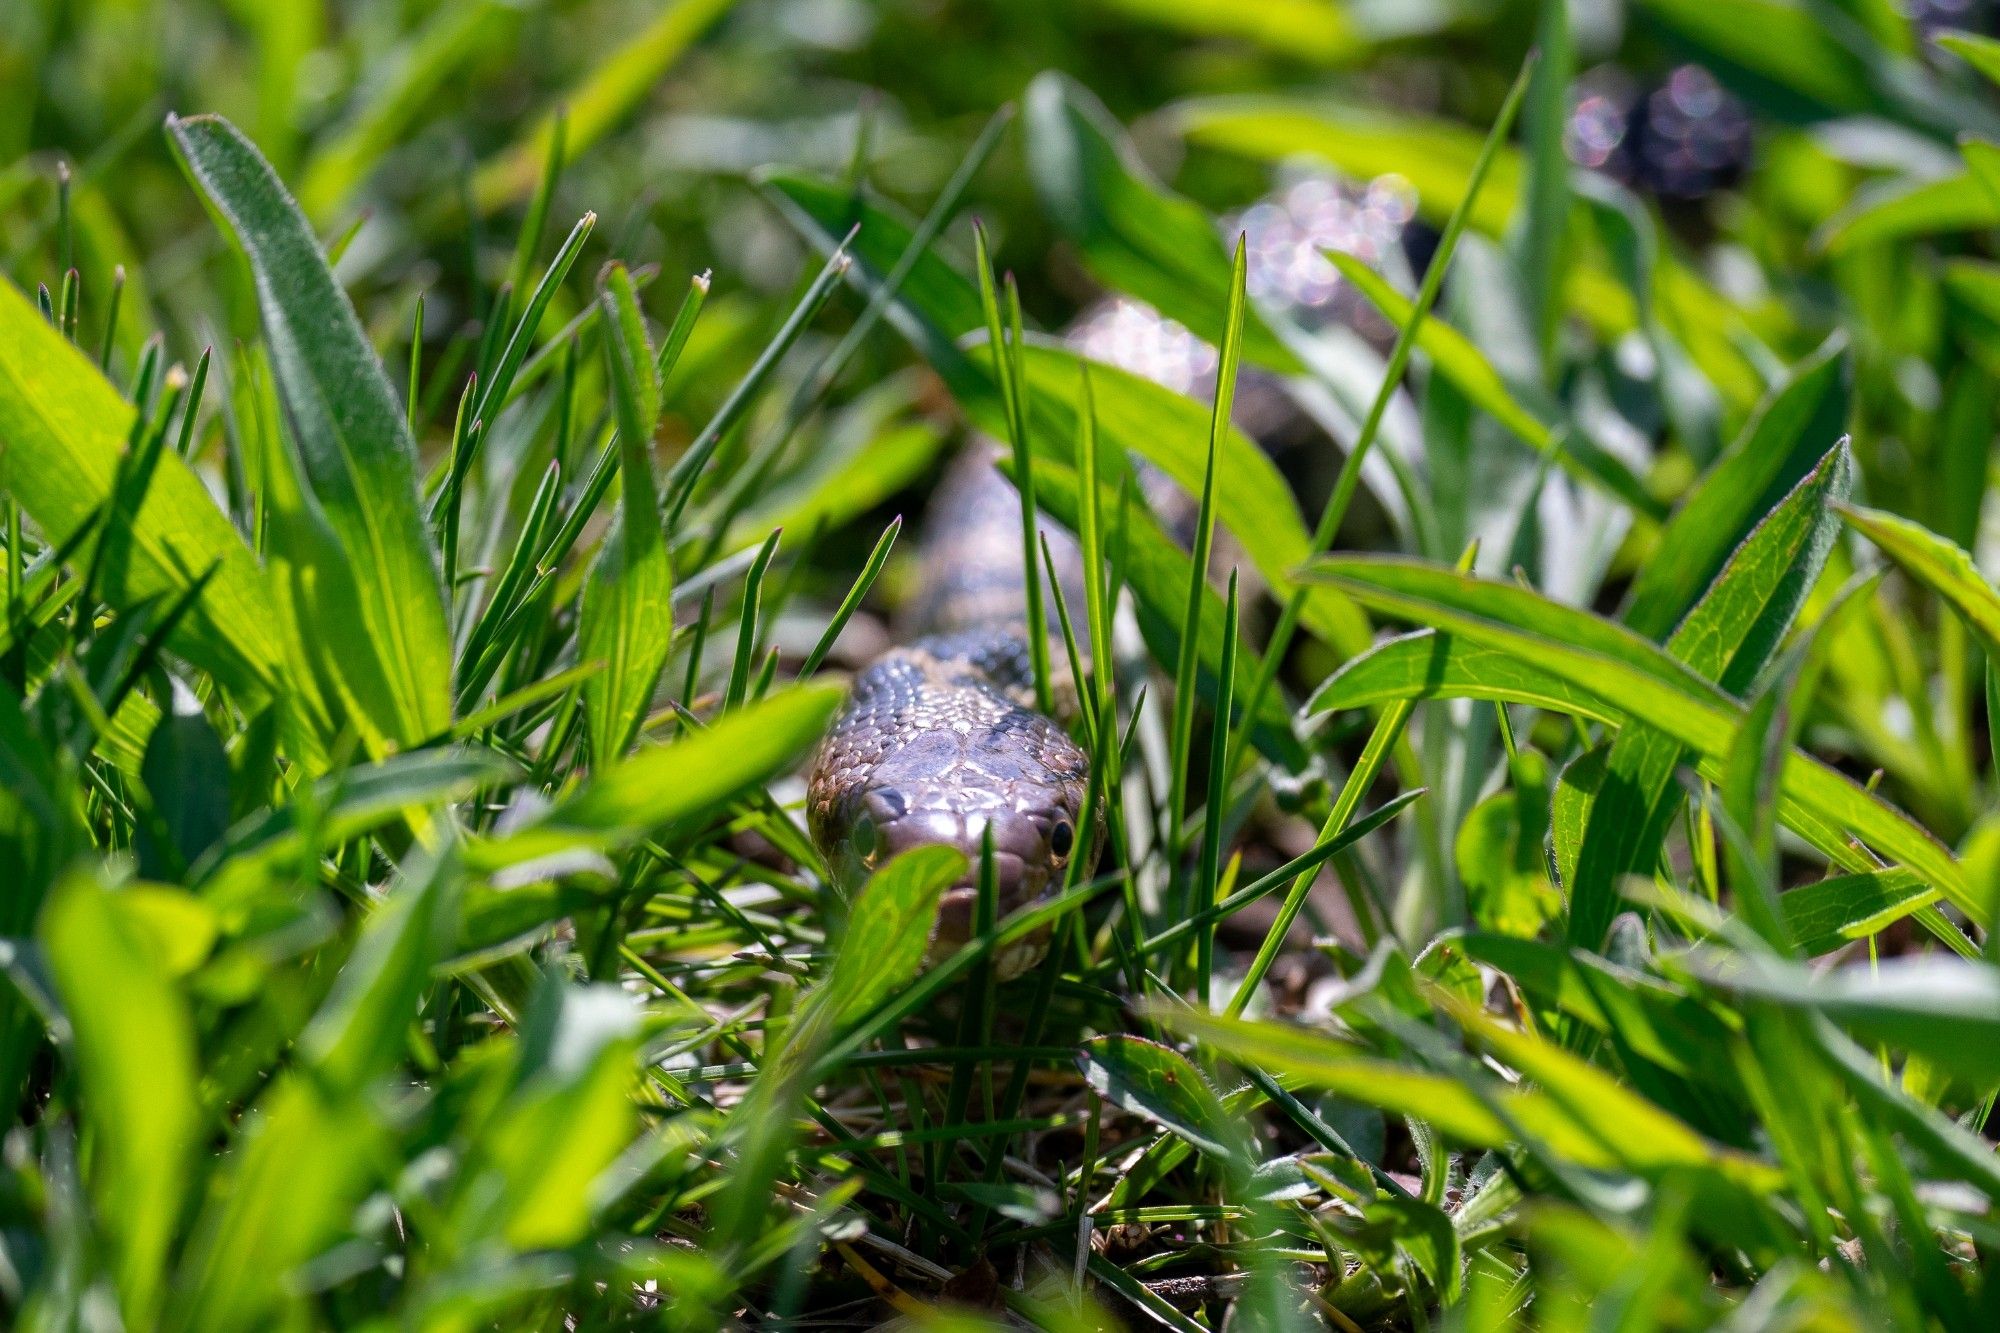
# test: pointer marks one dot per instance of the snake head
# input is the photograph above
(1035, 832)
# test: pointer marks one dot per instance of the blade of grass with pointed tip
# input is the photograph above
(1162, 1085)
(1791, 431)
(1911, 210)
(747, 624)
(1181, 741)
(687, 470)
(698, 774)
(1727, 638)
(627, 619)
(352, 439)
(496, 388)
(852, 602)
(1005, 352)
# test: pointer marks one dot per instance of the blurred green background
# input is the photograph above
(409, 118)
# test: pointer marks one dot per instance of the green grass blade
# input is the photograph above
(626, 619)
(747, 625)
(66, 428)
(852, 601)
(1643, 682)
(132, 1039)
(1791, 431)
(352, 439)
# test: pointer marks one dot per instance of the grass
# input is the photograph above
(1551, 889)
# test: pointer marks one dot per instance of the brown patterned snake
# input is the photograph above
(940, 742)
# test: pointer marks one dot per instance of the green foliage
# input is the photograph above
(409, 917)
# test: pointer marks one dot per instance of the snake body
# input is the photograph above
(940, 742)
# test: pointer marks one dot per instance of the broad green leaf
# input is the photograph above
(885, 938)
(186, 773)
(1978, 50)
(1640, 680)
(1793, 428)
(1162, 1085)
(359, 1032)
(698, 774)
(1569, 810)
(1648, 1138)
(178, 928)
(1748, 792)
(1423, 1234)
(132, 1041)
(1737, 625)
(1726, 638)
(64, 428)
(1651, 1019)
(352, 440)
(595, 104)
(627, 616)
(569, 1113)
(1426, 664)
(1134, 234)
(1925, 208)
(1939, 565)
(1826, 914)
(1581, 1125)
(284, 1193)
(1946, 1010)
(1499, 856)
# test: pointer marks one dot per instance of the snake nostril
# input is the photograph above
(1062, 841)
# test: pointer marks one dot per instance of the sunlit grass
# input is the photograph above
(1546, 878)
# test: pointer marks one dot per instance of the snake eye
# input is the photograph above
(1062, 841)
(867, 841)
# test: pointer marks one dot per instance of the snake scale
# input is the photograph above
(940, 741)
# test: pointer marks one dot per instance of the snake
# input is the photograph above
(939, 742)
